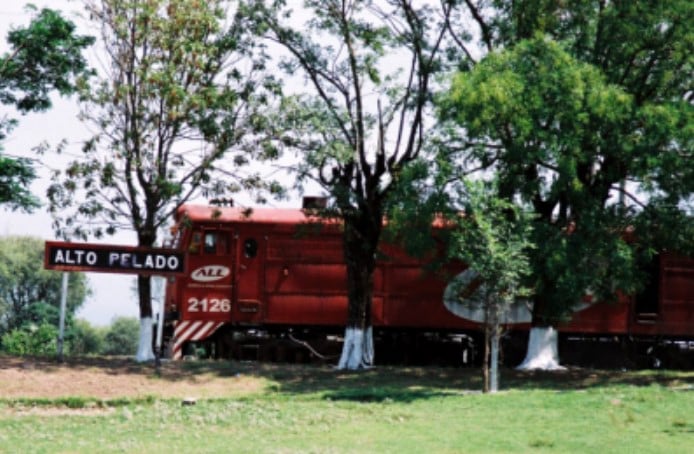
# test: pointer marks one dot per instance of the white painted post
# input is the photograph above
(61, 324)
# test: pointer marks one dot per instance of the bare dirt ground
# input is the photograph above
(112, 378)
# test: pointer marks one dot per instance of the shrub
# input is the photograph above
(31, 340)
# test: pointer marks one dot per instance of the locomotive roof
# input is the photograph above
(261, 215)
(257, 215)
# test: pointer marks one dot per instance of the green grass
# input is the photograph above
(389, 410)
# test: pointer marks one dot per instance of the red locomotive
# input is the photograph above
(276, 270)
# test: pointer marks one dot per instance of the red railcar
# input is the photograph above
(280, 269)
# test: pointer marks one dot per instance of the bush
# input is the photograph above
(85, 339)
(122, 336)
(31, 340)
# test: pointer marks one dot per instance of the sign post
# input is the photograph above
(61, 324)
(102, 258)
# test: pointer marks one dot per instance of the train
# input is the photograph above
(270, 283)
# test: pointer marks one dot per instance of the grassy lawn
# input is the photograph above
(299, 408)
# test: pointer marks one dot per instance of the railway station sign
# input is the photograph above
(102, 258)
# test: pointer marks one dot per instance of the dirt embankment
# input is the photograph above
(111, 378)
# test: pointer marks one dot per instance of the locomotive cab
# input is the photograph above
(222, 282)
(201, 301)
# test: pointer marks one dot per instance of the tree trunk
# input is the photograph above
(543, 350)
(360, 243)
(543, 342)
(144, 346)
(494, 358)
(485, 362)
(145, 351)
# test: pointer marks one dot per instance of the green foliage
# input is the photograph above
(493, 237)
(15, 177)
(564, 124)
(31, 340)
(29, 294)
(121, 337)
(45, 56)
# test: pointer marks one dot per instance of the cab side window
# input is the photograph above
(209, 242)
(210, 246)
(195, 242)
(250, 248)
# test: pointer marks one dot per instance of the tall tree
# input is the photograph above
(573, 129)
(44, 57)
(368, 69)
(28, 293)
(177, 95)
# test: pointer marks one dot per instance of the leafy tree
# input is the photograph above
(368, 69)
(121, 336)
(178, 94)
(467, 223)
(493, 238)
(583, 110)
(45, 56)
(29, 294)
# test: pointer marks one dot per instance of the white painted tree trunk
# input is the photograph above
(494, 361)
(144, 347)
(357, 350)
(543, 350)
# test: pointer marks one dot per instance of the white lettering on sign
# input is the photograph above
(147, 262)
(92, 258)
(210, 273)
(75, 257)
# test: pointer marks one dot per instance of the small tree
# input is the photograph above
(492, 237)
(488, 234)
(85, 339)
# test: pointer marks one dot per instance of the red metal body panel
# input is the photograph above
(287, 269)
(674, 314)
(600, 318)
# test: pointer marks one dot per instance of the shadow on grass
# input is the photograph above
(407, 384)
(378, 384)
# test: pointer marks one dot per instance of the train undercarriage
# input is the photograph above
(448, 349)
